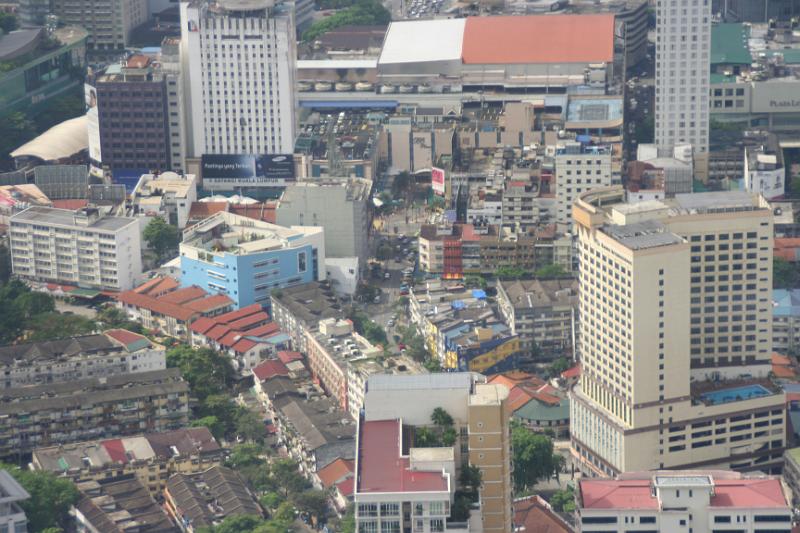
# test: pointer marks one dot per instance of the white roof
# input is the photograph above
(62, 140)
(336, 63)
(423, 40)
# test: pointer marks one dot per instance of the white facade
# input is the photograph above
(683, 41)
(12, 517)
(171, 68)
(168, 195)
(577, 173)
(239, 64)
(82, 248)
(343, 274)
(763, 174)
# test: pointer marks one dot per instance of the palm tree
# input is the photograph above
(441, 418)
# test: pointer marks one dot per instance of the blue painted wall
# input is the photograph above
(249, 279)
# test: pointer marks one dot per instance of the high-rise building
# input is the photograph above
(109, 22)
(579, 168)
(675, 338)
(396, 481)
(139, 125)
(683, 42)
(239, 61)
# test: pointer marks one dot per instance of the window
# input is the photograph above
(301, 262)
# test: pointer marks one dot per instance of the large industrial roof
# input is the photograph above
(62, 140)
(539, 39)
(423, 40)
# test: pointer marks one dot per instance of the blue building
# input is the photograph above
(247, 259)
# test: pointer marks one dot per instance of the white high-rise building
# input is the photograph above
(239, 61)
(683, 41)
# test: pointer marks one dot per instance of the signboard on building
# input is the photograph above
(437, 180)
(775, 97)
(93, 126)
(221, 171)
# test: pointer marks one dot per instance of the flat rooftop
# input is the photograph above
(717, 201)
(442, 380)
(642, 235)
(50, 216)
(539, 39)
(412, 41)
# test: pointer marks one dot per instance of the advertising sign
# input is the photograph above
(437, 180)
(246, 170)
(93, 123)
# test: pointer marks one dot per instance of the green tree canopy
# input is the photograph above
(441, 418)
(362, 13)
(50, 501)
(785, 275)
(161, 237)
(563, 501)
(550, 272)
(534, 457)
(206, 371)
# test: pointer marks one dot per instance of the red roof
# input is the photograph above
(115, 450)
(158, 286)
(227, 318)
(383, 469)
(617, 494)
(345, 487)
(534, 515)
(287, 357)
(135, 299)
(264, 212)
(203, 305)
(186, 294)
(636, 493)
(539, 39)
(72, 203)
(335, 471)
(242, 345)
(249, 321)
(124, 336)
(201, 210)
(267, 330)
(270, 368)
(786, 248)
(202, 324)
(757, 493)
(573, 372)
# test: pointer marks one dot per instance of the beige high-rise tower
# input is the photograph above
(675, 340)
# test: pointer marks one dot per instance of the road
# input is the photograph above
(64, 307)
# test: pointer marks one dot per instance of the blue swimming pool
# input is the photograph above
(735, 394)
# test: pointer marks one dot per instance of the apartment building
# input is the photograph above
(298, 310)
(579, 169)
(114, 352)
(161, 305)
(85, 248)
(542, 313)
(86, 409)
(419, 491)
(329, 352)
(346, 227)
(791, 472)
(239, 62)
(12, 517)
(682, 382)
(683, 43)
(152, 457)
(168, 195)
(247, 259)
(519, 207)
(109, 22)
(702, 501)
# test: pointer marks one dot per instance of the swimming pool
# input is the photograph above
(735, 394)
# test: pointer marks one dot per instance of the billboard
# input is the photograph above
(775, 97)
(437, 180)
(245, 170)
(93, 123)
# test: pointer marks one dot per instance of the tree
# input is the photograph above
(287, 477)
(362, 13)
(785, 275)
(348, 522)
(563, 501)
(473, 280)
(550, 272)
(51, 326)
(470, 480)
(112, 317)
(250, 426)
(271, 500)
(51, 498)
(558, 366)
(426, 438)
(507, 273)
(534, 457)
(441, 418)
(8, 22)
(384, 252)
(15, 130)
(214, 425)
(449, 436)
(206, 372)
(312, 501)
(161, 237)
(238, 524)
(5, 264)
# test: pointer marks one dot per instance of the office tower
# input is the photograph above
(579, 169)
(139, 114)
(675, 334)
(239, 61)
(109, 22)
(683, 41)
(83, 248)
